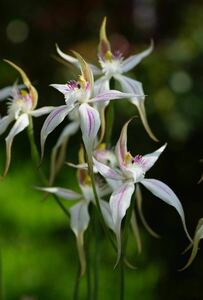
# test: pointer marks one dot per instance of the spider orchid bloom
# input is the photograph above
(78, 96)
(113, 65)
(197, 237)
(132, 171)
(79, 215)
(21, 106)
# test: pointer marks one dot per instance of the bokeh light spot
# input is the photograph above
(17, 31)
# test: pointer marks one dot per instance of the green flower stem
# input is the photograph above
(88, 272)
(101, 218)
(109, 116)
(1, 278)
(77, 283)
(96, 233)
(122, 278)
(36, 160)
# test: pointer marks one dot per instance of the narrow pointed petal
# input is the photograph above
(104, 45)
(143, 116)
(119, 203)
(42, 111)
(27, 83)
(106, 171)
(111, 95)
(7, 91)
(57, 157)
(4, 123)
(61, 192)
(21, 123)
(163, 192)
(75, 62)
(79, 222)
(63, 88)
(90, 124)
(138, 196)
(149, 160)
(106, 212)
(52, 121)
(198, 236)
(101, 85)
(86, 71)
(134, 60)
(135, 87)
(136, 232)
(121, 146)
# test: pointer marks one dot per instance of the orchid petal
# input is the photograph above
(7, 91)
(79, 222)
(90, 124)
(61, 192)
(4, 123)
(27, 83)
(21, 123)
(162, 191)
(52, 121)
(106, 171)
(86, 71)
(74, 61)
(57, 160)
(135, 87)
(134, 60)
(63, 88)
(136, 232)
(106, 212)
(138, 196)
(198, 236)
(104, 45)
(101, 85)
(119, 203)
(42, 111)
(111, 95)
(149, 160)
(121, 146)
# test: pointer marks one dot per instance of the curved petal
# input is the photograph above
(42, 111)
(121, 146)
(61, 192)
(134, 60)
(27, 83)
(90, 124)
(52, 121)
(149, 160)
(21, 123)
(163, 192)
(74, 61)
(106, 171)
(198, 236)
(79, 222)
(135, 87)
(110, 95)
(138, 196)
(4, 123)
(106, 212)
(58, 152)
(119, 203)
(104, 45)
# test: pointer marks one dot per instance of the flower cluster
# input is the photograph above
(108, 179)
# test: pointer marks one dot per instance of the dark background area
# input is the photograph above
(172, 77)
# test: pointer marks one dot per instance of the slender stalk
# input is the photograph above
(88, 268)
(122, 278)
(77, 284)
(90, 168)
(1, 278)
(36, 160)
(96, 255)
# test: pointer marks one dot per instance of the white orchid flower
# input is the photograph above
(132, 171)
(113, 65)
(21, 105)
(79, 215)
(78, 96)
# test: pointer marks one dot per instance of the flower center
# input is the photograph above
(21, 102)
(111, 63)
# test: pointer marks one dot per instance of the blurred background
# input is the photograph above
(39, 259)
